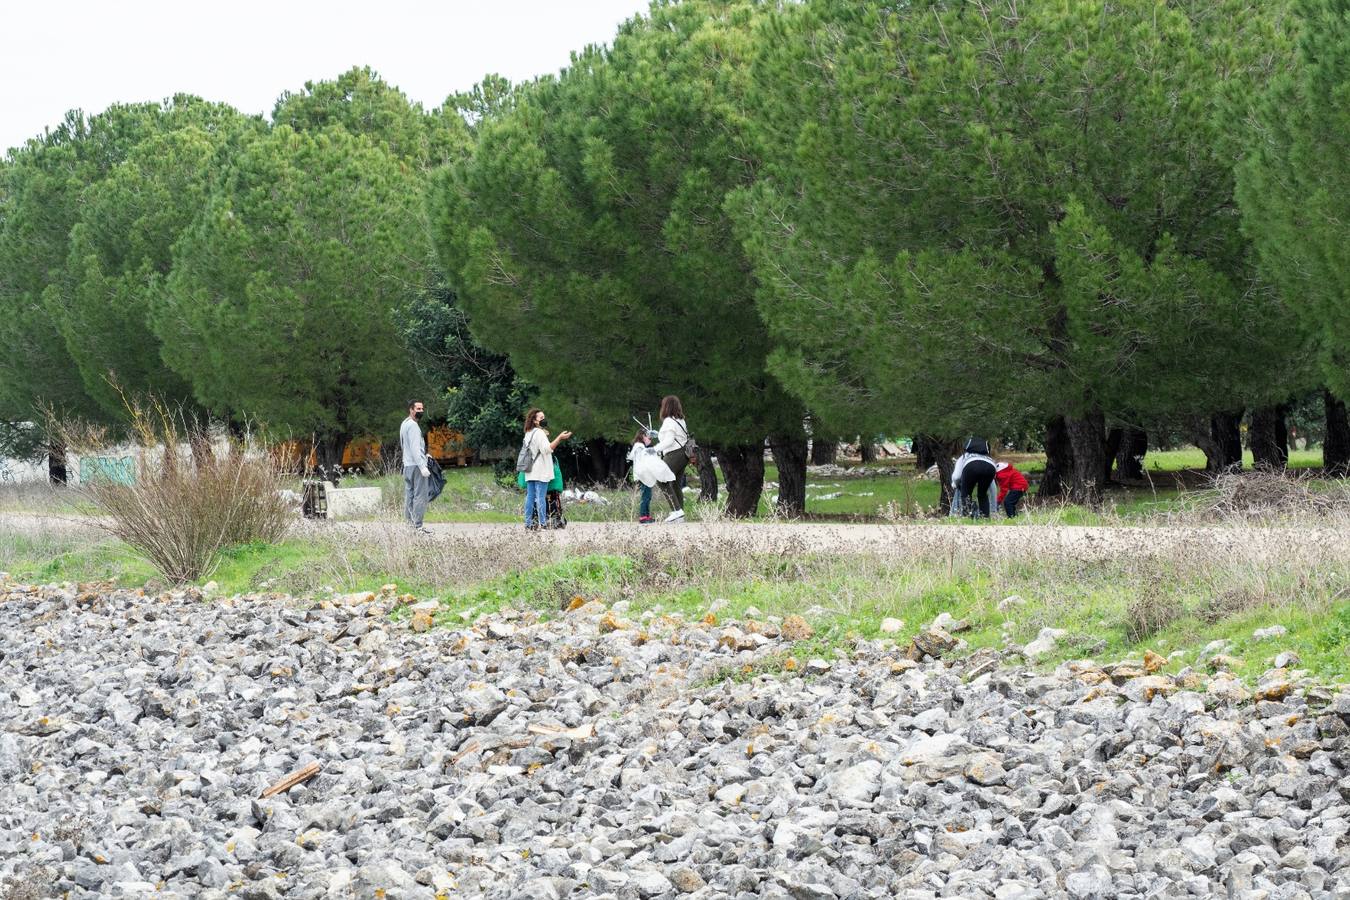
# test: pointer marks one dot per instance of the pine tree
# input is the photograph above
(586, 238)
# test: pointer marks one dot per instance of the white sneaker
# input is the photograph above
(676, 516)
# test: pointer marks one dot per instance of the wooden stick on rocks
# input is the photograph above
(304, 773)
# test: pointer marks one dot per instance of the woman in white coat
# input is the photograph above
(673, 438)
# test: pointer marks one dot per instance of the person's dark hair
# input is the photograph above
(639, 435)
(529, 417)
(412, 403)
(671, 408)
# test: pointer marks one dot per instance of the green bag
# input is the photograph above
(555, 485)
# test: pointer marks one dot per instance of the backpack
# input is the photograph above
(977, 445)
(525, 459)
(690, 447)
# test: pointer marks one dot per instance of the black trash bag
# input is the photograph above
(436, 482)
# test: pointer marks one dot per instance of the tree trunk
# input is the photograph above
(593, 462)
(925, 452)
(1130, 455)
(1219, 437)
(1058, 459)
(328, 456)
(707, 476)
(868, 450)
(56, 463)
(1226, 434)
(1268, 438)
(1115, 438)
(1336, 448)
(789, 454)
(1087, 436)
(944, 457)
(823, 452)
(743, 472)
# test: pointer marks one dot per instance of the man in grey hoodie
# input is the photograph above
(416, 475)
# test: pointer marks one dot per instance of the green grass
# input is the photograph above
(39, 557)
(1193, 458)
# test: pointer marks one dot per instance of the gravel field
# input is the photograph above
(592, 756)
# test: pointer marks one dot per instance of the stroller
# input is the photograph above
(556, 517)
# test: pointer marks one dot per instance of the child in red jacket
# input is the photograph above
(1012, 486)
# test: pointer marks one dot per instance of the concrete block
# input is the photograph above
(346, 503)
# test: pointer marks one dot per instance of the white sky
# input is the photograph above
(57, 55)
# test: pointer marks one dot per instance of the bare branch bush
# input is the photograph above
(181, 509)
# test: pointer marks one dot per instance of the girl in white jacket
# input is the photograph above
(649, 470)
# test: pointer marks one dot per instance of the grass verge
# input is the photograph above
(1174, 602)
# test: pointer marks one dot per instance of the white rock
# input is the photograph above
(891, 626)
(651, 884)
(731, 794)
(1287, 660)
(1094, 881)
(1200, 851)
(1044, 643)
(857, 785)
(1273, 631)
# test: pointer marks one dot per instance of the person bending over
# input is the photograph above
(973, 475)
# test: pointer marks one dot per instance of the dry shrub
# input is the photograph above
(1151, 612)
(1271, 495)
(1231, 603)
(181, 510)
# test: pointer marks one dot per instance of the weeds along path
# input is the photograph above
(1256, 542)
(1031, 541)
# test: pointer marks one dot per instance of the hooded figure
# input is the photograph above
(973, 475)
(1012, 486)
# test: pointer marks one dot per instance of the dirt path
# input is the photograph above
(1000, 541)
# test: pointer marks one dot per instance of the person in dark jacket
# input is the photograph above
(1012, 487)
(973, 475)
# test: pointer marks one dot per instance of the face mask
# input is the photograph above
(542, 421)
(417, 414)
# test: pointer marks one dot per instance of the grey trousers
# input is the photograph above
(415, 488)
